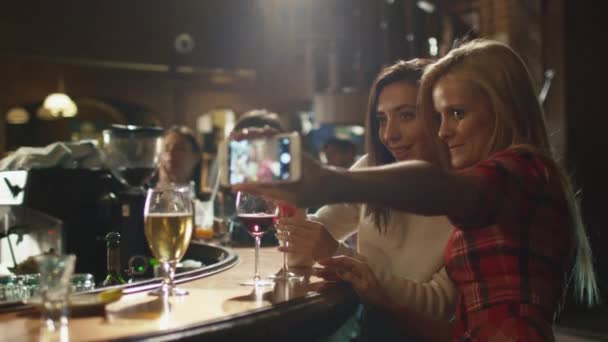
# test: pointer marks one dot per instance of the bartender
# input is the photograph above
(180, 160)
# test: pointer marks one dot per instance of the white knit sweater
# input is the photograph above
(408, 259)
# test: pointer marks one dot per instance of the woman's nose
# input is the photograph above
(167, 155)
(392, 131)
(445, 130)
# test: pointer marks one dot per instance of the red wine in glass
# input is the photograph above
(258, 215)
(258, 224)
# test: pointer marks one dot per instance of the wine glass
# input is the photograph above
(258, 215)
(286, 210)
(132, 154)
(168, 227)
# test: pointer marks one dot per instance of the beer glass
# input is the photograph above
(168, 224)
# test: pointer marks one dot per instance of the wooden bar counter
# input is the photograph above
(217, 308)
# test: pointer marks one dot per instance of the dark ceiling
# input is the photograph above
(141, 31)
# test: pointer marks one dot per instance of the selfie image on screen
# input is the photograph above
(259, 160)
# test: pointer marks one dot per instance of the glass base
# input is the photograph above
(282, 274)
(174, 292)
(258, 282)
(54, 323)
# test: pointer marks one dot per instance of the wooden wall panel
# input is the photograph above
(124, 50)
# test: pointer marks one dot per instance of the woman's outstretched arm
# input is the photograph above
(414, 186)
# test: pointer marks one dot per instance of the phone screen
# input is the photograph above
(259, 160)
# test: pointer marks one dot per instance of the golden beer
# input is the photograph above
(168, 235)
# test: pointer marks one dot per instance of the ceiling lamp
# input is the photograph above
(17, 116)
(427, 6)
(58, 105)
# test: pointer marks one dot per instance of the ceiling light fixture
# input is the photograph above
(17, 116)
(426, 6)
(58, 105)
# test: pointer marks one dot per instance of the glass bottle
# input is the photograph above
(108, 206)
(114, 276)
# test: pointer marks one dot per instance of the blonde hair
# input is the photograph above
(500, 74)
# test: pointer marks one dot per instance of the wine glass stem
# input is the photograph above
(168, 276)
(171, 275)
(166, 287)
(256, 276)
(285, 262)
(285, 270)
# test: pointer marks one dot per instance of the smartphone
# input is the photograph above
(260, 160)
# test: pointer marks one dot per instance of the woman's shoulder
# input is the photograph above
(400, 218)
(519, 157)
(524, 163)
(518, 151)
(420, 220)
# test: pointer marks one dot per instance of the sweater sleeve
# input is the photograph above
(340, 220)
(435, 298)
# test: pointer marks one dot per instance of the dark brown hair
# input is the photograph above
(259, 118)
(343, 145)
(401, 71)
(188, 134)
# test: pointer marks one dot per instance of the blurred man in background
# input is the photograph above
(340, 152)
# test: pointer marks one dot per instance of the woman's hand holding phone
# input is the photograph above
(260, 156)
(313, 188)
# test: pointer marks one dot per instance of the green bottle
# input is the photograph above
(114, 276)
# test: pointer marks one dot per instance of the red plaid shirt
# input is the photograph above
(518, 248)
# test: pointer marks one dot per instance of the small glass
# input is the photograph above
(31, 285)
(19, 290)
(82, 282)
(222, 229)
(203, 219)
(8, 284)
(55, 273)
(258, 215)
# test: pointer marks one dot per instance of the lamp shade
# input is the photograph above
(59, 105)
(17, 116)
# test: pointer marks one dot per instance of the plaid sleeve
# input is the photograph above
(510, 184)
